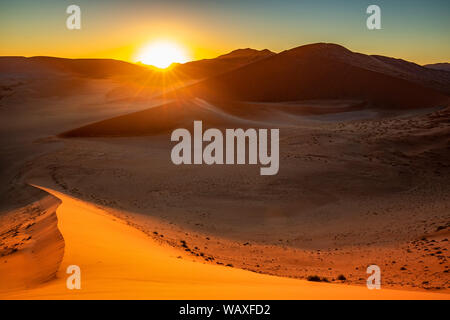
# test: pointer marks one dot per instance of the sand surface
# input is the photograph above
(359, 183)
(348, 194)
(120, 262)
(341, 201)
(32, 246)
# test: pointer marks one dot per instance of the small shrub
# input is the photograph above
(313, 278)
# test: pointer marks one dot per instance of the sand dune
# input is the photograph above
(433, 78)
(31, 246)
(156, 120)
(182, 112)
(444, 66)
(350, 192)
(318, 71)
(91, 68)
(119, 262)
(205, 68)
(110, 68)
(42, 76)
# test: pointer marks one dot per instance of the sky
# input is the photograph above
(414, 30)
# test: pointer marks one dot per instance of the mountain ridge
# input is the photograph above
(327, 71)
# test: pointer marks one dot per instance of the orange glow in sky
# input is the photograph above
(205, 29)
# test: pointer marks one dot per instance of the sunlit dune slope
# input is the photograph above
(31, 245)
(120, 262)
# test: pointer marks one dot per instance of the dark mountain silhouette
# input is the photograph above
(247, 54)
(209, 67)
(328, 78)
(444, 66)
(323, 71)
(310, 72)
(110, 68)
(50, 76)
(91, 68)
(431, 78)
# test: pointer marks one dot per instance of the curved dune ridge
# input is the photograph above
(32, 245)
(120, 262)
(219, 113)
(179, 113)
(156, 120)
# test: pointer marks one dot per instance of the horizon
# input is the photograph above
(224, 150)
(140, 63)
(411, 30)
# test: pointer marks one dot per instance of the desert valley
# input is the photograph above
(363, 177)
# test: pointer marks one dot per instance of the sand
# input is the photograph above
(120, 262)
(348, 194)
(32, 245)
(359, 184)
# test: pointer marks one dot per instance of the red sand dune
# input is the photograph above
(209, 67)
(445, 66)
(106, 68)
(315, 72)
(104, 249)
(91, 68)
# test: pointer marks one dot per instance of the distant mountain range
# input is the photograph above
(315, 71)
(51, 66)
(209, 67)
(439, 66)
(328, 71)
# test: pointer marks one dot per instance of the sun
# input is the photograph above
(162, 54)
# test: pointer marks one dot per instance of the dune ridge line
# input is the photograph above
(118, 261)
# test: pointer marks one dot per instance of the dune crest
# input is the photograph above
(103, 246)
(32, 246)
